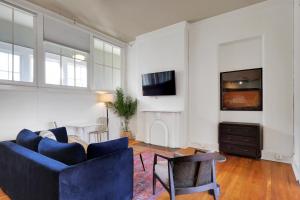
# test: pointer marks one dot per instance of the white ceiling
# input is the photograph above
(126, 19)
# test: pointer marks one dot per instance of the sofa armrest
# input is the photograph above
(106, 178)
(26, 174)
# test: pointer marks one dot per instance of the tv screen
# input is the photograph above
(160, 83)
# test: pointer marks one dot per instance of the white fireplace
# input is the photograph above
(162, 127)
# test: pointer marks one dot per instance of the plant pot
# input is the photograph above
(127, 134)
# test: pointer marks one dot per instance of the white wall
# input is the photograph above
(240, 55)
(270, 20)
(132, 82)
(35, 109)
(161, 50)
(296, 164)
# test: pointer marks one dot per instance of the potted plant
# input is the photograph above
(125, 107)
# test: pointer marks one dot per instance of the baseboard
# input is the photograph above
(296, 170)
(211, 147)
(271, 156)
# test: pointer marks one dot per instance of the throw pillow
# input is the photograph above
(48, 134)
(60, 134)
(28, 139)
(69, 154)
(76, 139)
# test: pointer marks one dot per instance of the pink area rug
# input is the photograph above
(143, 179)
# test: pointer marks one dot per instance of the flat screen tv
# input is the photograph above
(159, 83)
(242, 90)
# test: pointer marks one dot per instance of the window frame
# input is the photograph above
(38, 52)
(65, 87)
(121, 68)
(35, 54)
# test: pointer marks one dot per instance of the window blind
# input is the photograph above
(66, 34)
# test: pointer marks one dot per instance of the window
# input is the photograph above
(107, 64)
(65, 66)
(17, 44)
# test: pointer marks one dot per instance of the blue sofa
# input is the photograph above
(28, 175)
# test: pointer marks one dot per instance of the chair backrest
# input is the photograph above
(103, 122)
(53, 124)
(193, 171)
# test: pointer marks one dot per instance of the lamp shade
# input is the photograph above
(105, 97)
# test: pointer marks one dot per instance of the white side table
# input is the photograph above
(81, 130)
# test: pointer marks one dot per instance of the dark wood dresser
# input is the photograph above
(244, 139)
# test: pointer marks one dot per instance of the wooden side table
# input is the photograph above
(191, 151)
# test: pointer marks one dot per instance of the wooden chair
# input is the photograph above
(102, 128)
(187, 174)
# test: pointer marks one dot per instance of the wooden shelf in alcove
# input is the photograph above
(240, 89)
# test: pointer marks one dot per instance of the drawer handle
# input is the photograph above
(245, 150)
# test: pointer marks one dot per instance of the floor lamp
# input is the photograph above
(106, 98)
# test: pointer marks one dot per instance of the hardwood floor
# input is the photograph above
(3, 196)
(247, 179)
(242, 179)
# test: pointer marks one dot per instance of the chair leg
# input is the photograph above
(216, 194)
(141, 158)
(172, 195)
(154, 184)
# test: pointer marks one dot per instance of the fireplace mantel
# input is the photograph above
(162, 127)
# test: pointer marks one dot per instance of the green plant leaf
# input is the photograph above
(124, 106)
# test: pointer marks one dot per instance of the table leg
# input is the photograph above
(141, 157)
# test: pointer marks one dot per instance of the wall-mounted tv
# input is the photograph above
(159, 83)
(242, 90)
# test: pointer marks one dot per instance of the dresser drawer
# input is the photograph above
(249, 131)
(240, 150)
(240, 140)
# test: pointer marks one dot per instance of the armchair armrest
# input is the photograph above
(106, 177)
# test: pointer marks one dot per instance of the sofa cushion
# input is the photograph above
(28, 139)
(60, 134)
(70, 154)
(100, 149)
